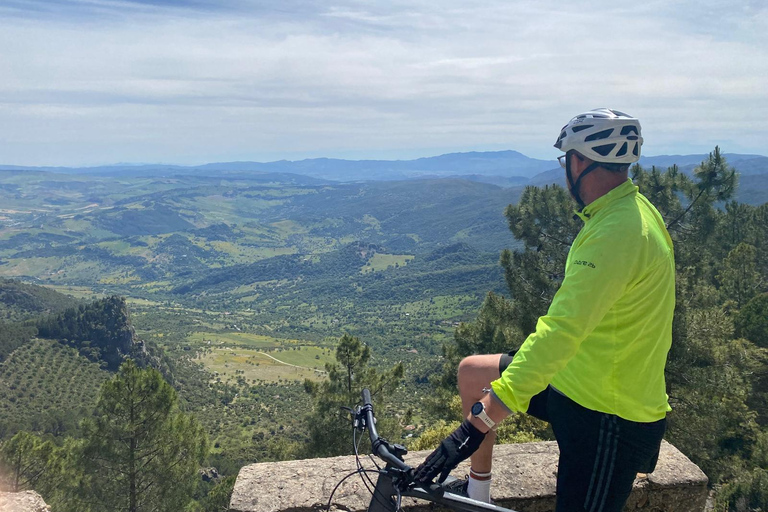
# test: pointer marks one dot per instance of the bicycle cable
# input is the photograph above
(364, 475)
(330, 498)
(356, 444)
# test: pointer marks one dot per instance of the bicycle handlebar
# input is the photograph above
(398, 476)
(380, 447)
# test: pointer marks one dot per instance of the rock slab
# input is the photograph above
(27, 501)
(523, 479)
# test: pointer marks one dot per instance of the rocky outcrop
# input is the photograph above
(524, 480)
(27, 501)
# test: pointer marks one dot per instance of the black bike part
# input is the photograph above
(387, 452)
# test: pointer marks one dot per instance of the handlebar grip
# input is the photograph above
(366, 397)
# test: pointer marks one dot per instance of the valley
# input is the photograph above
(245, 281)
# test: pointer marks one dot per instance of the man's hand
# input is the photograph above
(462, 443)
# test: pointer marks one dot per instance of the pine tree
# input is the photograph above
(329, 425)
(25, 458)
(544, 221)
(139, 452)
(739, 278)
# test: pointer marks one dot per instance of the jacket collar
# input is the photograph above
(625, 189)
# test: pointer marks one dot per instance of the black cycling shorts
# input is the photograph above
(600, 454)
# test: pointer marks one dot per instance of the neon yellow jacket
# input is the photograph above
(604, 340)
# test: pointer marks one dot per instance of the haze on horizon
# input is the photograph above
(89, 82)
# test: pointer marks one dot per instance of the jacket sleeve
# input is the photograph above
(597, 274)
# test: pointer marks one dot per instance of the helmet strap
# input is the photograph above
(576, 184)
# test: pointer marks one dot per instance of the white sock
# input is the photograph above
(479, 490)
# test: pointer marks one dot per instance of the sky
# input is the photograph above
(93, 82)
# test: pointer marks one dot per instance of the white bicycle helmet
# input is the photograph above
(603, 135)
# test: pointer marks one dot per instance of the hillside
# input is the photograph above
(47, 387)
(20, 301)
(54, 361)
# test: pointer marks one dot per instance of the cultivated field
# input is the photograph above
(253, 366)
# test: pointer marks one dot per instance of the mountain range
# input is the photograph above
(504, 168)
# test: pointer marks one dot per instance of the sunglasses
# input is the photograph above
(562, 159)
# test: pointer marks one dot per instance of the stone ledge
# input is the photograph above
(523, 480)
(26, 501)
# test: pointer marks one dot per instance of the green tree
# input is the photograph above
(25, 459)
(752, 321)
(329, 425)
(544, 221)
(739, 278)
(140, 453)
(218, 498)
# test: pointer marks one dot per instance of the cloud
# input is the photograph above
(100, 81)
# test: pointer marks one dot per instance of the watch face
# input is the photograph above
(477, 408)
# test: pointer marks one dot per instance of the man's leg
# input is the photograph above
(475, 374)
(600, 456)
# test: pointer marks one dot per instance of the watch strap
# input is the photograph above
(483, 416)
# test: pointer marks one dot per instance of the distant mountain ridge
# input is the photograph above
(493, 163)
(504, 168)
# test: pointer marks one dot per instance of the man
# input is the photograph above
(594, 367)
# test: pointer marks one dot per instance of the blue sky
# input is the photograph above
(88, 82)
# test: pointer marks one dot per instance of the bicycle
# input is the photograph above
(395, 479)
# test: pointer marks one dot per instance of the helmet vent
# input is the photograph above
(604, 149)
(577, 129)
(629, 129)
(623, 150)
(634, 150)
(599, 135)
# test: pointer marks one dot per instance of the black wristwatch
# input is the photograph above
(478, 411)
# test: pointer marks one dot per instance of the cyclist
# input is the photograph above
(594, 367)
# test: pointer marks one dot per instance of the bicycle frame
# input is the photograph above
(382, 498)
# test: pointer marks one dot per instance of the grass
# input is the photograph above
(120, 280)
(288, 227)
(79, 292)
(134, 301)
(238, 339)
(31, 267)
(311, 357)
(155, 286)
(258, 358)
(256, 366)
(440, 308)
(384, 261)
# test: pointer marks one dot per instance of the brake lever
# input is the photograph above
(405, 480)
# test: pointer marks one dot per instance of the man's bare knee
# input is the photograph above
(476, 372)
